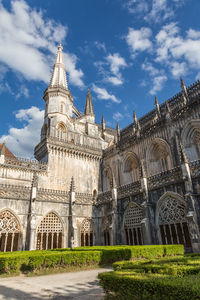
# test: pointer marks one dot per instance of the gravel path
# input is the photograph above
(81, 285)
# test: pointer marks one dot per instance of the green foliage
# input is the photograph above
(162, 278)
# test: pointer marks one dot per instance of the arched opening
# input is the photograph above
(159, 157)
(191, 140)
(171, 220)
(107, 179)
(10, 232)
(132, 224)
(107, 222)
(86, 233)
(49, 232)
(131, 169)
(61, 127)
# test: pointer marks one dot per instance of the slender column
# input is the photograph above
(12, 241)
(41, 242)
(183, 233)
(5, 245)
(57, 236)
(165, 235)
(175, 226)
(47, 240)
(52, 234)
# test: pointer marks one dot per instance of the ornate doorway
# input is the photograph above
(86, 233)
(49, 233)
(132, 225)
(172, 221)
(10, 232)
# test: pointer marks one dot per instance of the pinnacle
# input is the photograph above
(89, 110)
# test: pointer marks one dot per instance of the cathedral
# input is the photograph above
(93, 185)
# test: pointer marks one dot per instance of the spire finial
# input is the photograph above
(184, 91)
(156, 100)
(183, 155)
(60, 47)
(72, 185)
(89, 110)
(58, 78)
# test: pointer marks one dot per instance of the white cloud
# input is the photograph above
(158, 83)
(153, 10)
(100, 46)
(21, 141)
(104, 95)
(178, 69)
(139, 40)
(118, 116)
(115, 62)
(23, 91)
(148, 67)
(28, 43)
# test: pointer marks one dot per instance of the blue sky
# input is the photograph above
(124, 51)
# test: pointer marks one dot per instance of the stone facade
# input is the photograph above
(92, 185)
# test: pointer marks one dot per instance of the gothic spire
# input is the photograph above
(72, 185)
(103, 123)
(184, 91)
(183, 156)
(58, 78)
(118, 131)
(89, 110)
(157, 106)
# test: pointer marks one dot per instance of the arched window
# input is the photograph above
(190, 139)
(86, 233)
(171, 215)
(132, 224)
(10, 232)
(61, 127)
(131, 169)
(159, 157)
(49, 233)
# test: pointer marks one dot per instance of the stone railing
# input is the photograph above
(83, 198)
(128, 189)
(195, 168)
(15, 192)
(25, 163)
(104, 197)
(52, 195)
(165, 178)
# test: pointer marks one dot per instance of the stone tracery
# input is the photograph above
(132, 224)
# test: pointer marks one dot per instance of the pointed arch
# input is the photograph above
(159, 158)
(131, 168)
(61, 127)
(107, 178)
(190, 138)
(49, 232)
(10, 231)
(171, 221)
(132, 224)
(86, 231)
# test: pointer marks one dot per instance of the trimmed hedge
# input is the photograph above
(29, 262)
(163, 278)
(129, 286)
(32, 260)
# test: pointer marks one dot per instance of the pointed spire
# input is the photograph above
(183, 156)
(184, 91)
(58, 78)
(89, 110)
(118, 131)
(72, 185)
(103, 123)
(136, 121)
(157, 106)
(3, 149)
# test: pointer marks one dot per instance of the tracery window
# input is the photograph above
(49, 233)
(10, 232)
(86, 233)
(172, 222)
(131, 169)
(159, 159)
(132, 225)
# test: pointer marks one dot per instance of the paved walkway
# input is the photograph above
(81, 285)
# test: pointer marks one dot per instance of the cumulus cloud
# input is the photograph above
(158, 82)
(114, 62)
(153, 10)
(118, 116)
(103, 94)
(28, 43)
(138, 40)
(21, 141)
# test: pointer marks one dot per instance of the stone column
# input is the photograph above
(32, 216)
(72, 227)
(145, 223)
(114, 216)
